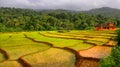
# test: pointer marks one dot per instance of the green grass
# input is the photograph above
(80, 47)
(17, 51)
(17, 46)
(98, 37)
(87, 33)
(57, 42)
(4, 38)
(95, 39)
(96, 42)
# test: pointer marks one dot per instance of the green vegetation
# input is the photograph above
(89, 36)
(57, 42)
(118, 37)
(81, 46)
(15, 19)
(17, 46)
(113, 59)
(47, 48)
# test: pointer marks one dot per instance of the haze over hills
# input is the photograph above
(105, 11)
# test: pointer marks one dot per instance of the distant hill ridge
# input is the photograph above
(105, 11)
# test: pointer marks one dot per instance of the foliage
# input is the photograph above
(113, 59)
(107, 62)
(16, 19)
(118, 37)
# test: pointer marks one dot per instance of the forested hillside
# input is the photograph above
(16, 19)
(105, 11)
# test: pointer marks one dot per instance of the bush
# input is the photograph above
(109, 61)
(118, 37)
(114, 59)
(116, 56)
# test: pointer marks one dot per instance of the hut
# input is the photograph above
(105, 26)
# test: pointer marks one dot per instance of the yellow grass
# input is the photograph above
(96, 52)
(51, 58)
(10, 64)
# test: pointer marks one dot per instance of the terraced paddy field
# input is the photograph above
(55, 49)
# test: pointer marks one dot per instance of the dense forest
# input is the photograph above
(16, 19)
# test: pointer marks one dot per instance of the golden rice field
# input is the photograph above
(54, 49)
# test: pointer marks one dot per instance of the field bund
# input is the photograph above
(55, 49)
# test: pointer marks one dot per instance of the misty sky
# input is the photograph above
(60, 4)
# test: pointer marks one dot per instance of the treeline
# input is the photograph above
(16, 19)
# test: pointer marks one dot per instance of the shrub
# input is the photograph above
(114, 59)
(118, 37)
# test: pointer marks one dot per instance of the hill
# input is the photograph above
(105, 11)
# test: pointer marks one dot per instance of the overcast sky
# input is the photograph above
(60, 4)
